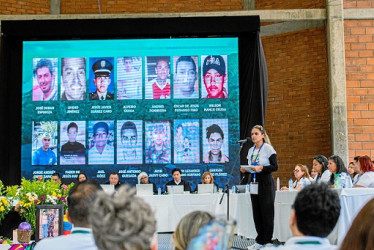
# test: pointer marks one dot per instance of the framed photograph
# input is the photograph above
(49, 219)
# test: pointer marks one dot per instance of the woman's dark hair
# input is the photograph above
(323, 161)
(80, 174)
(340, 167)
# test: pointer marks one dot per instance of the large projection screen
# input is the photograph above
(128, 95)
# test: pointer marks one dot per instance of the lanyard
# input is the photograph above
(308, 243)
(258, 153)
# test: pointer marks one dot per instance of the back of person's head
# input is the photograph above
(365, 164)
(122, 221)
(80, 199)
(317, 209)
(361, 233)
(188, 227)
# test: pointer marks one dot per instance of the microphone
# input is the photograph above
(240, 183)
(244, 140)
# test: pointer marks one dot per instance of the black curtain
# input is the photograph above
(253, 93)
(252, 68)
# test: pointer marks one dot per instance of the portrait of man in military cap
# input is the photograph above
(102, 70)
(214, 76)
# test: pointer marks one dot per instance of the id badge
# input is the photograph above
(253, 187)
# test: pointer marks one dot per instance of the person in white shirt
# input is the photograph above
(80, 200)
(366, 172)
(101, 152)
(300, 172)
(320, 165)
(310, 232)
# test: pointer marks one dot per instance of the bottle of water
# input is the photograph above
(342, 180)
(247, 188)
(337, 181)
(233, 189)
(303, 183)
(290, 184)
(278, 184)
(171, 189)
(159, 191)
(214, 188)
(348, 182)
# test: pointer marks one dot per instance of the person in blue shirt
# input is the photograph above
(44, 155)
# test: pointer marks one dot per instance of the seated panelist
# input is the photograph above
(143, 179)
(206, 178)
(177, 180)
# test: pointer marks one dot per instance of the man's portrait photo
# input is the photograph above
(185, 77)
(129, 142)
(186, 141)
(129, 78)
(214, 76)
(157, 142)
(215, 146)
(44, 143)
(73, 79)
(158, 76)
(101, 139)
(101, 79)
(44, 80)
(72, 139)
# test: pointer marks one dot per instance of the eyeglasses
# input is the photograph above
(296, 171)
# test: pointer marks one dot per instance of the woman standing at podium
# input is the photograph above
(262, 159)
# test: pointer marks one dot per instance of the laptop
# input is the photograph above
(205, 188)
(240, 188)
(144, 189)
(108, 188)
(177, 189)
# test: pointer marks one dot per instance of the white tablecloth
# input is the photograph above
(169, 209)
(351, 201)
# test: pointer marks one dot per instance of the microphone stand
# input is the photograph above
(227, 185)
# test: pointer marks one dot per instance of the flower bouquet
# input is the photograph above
(5, 205)
(36, 192)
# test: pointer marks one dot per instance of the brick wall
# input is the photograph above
(290, 4)
(358, 3)
(17, 7)
(298, 112)
(359, 59)
(147, 6)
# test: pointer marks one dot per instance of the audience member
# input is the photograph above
(360, 235)
(320, 163)
(144, 179)
(300, 172)
(366, 173)
(356, 168)
(177, 174)
(122, 221)
(351, 170)
(80, 199)
(188, 227)
(336, 166)
(314, 215)
(313, 175)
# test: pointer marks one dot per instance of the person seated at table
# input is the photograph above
(360, 234)
(143, 179)
(320, 163)
(310, 232)
(336, 166)
(207, 178)
(177, 180)
(301, 171)
(188, 227)
(123, 221)
(56, 178)
(114, 180)
(365, 172)
(313, 175)
(81, 177)
(351, 170)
